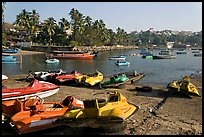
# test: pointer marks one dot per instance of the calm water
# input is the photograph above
(160, 71)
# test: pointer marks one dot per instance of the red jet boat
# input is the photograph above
(35, 88)
(63, 78)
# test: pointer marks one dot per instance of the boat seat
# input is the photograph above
(18, 105)
(33, 104)
(67, 101)
(113, 98)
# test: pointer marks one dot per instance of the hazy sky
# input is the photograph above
(129, 16)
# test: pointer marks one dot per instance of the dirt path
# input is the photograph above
(173, 115)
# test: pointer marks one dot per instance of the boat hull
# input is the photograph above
(36, 88)
(75, 56)
(42, 94)
(164, 57)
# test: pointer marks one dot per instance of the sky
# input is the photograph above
(130, 16)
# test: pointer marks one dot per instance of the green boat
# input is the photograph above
(119, 80)
(121, 77)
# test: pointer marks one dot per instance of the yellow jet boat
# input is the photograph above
(90, 79)
(184, 86)
(110, 114)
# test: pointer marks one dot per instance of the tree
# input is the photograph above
(50, 25)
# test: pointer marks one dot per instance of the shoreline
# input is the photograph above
(173, 118)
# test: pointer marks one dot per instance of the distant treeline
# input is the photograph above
(83, 31)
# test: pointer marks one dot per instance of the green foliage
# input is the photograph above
(73, 43)
(82, 30)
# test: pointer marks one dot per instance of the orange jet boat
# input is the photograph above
(33, 114)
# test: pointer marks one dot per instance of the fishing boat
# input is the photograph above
(89, 79)
(122, 63)
(51, 61)
(164, 54)
(4, 78)
(121, 57)
(72, 55)
(35, 88)
(34, 114)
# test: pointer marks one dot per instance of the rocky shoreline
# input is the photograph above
(174, 115)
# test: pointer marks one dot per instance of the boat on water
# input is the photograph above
(164, 54)
(199, 54)
(72, 55)
(51, 61)
(181, 52)
(121, 57)
(145, 52)
(10, 50)
(4, 78)
(35, 88)
(122, 63)
(8, 58)
(34, 114)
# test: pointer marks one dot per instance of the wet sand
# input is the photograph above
(176, 115)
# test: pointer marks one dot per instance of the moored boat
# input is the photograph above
(35, 88)
(181, 52)
(8, 58)
(9, 50)
(164, 54)
(72, 55)
(51, 61)
(122, 63)
(198, 54)
(121, 57)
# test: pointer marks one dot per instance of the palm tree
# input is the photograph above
(77, 21)
(33, 24)
(50, 25)
(65, 26)
(22, 21)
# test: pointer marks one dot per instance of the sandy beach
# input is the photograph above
(175, 115)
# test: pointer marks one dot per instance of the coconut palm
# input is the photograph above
(65, 26)
(77, 21)
(33, 24)
(50, 25)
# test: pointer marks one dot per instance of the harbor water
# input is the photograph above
(158, 71)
